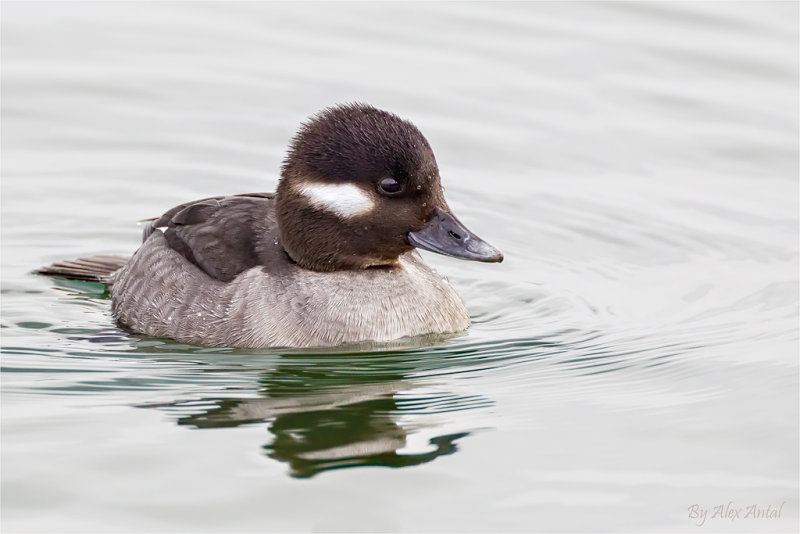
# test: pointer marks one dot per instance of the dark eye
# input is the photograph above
(389, 186)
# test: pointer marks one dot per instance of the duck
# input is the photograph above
(330, 258)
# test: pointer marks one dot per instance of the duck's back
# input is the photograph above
(213, 272)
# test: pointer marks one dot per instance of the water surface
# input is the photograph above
(636, 353)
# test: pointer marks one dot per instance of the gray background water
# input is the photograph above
(636, 353)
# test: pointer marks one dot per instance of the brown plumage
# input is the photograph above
(327, 260)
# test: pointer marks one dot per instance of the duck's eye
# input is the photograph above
(389, 186)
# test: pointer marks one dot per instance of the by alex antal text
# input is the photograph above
(733, 512)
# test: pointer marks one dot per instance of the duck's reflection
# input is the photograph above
(324, 412)
(322, 420)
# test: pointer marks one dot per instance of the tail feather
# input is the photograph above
(93, 269)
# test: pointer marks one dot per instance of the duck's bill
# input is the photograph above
(446, 235)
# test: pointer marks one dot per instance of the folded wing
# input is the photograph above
(223, 236)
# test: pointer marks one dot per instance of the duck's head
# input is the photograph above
(359, 187)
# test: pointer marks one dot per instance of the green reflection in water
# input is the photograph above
(329, 409)
(333, 419)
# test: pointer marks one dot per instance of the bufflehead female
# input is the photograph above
(327, 260)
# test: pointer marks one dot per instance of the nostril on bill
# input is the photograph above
(454, 235)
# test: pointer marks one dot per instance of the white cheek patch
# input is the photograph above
(345, 200)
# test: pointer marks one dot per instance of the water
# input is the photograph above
(636, 353)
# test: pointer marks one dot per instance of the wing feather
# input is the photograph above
(220, 235)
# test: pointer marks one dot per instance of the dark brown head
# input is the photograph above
(359, 187)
